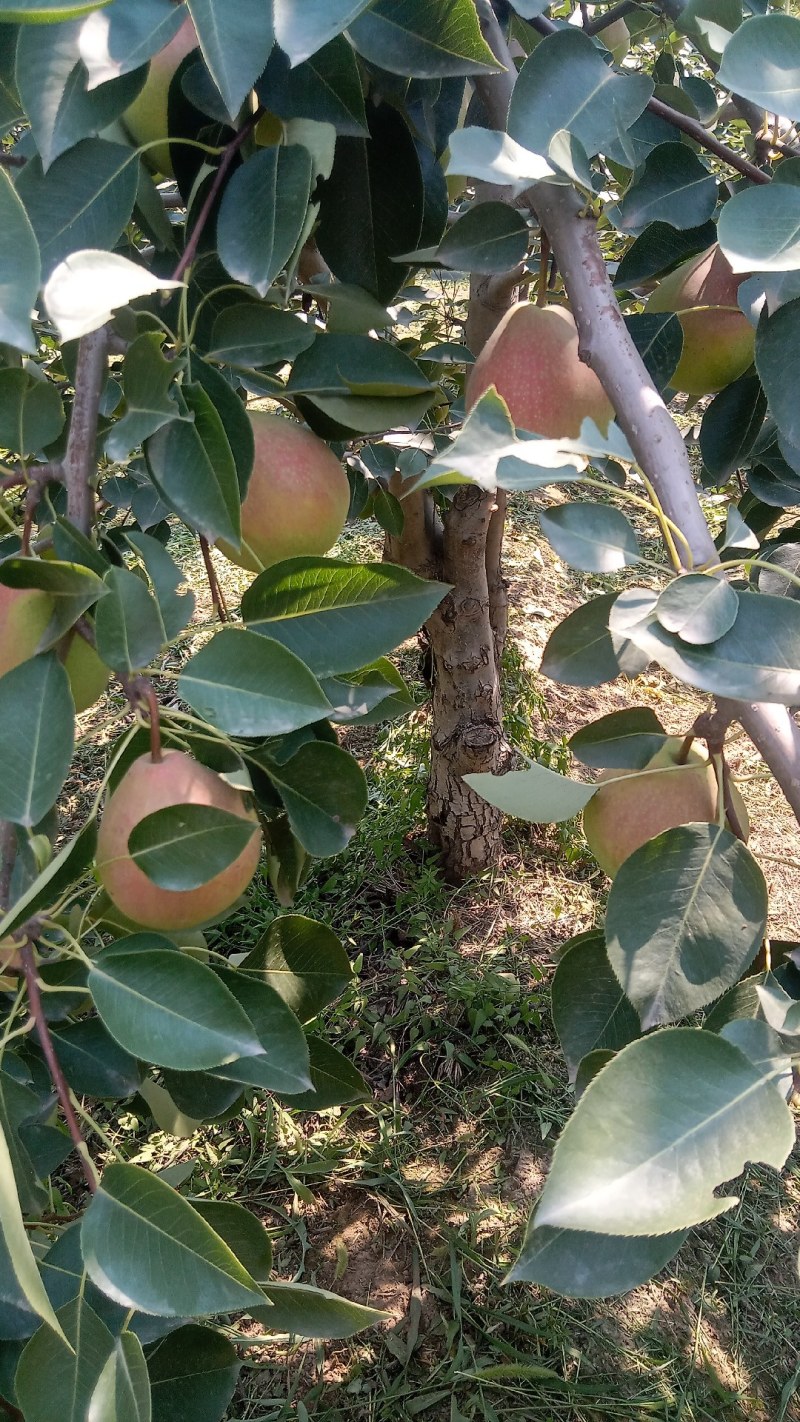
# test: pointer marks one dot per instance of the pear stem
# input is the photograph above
(683, 754)
(54, 1065)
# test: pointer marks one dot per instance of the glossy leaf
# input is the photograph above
(490, 237)
(595, 537)
(235, 45)
(658, 250)
(730, 427)
(698, 607)
(439, 39)
(282, 1061)
(20, 269)
(127, 35)
(146, 1247)
(31, 412)
(193, 468)
(303, 961)
(776, 338)
(686, 915)
(537, 794)
(85, 198)
(17, 1244)
(585, 1265)
(193, 1371)
(183, 846)
(62, 871)
(325, 794)
(242, 1232)
(262, 214)
(759, 229)
(93, 1063)
(302, 30)
(37, 734)
(84, 290)
(146, 380)
(67, 1367)
(565, 84)
(658, 338)
(235, 422)
(251, 686)
(309, 1312)
(582, 652)
(122, 1392)
(335, 1081)
(494, 157)
(128, 624)
(608, 1167)
(621, 740)
(335, 615)
(590, 1010)
(762, 62)
(167, 1008)
(326, 87)
(175, 607)
(674, 186)
(249, 334)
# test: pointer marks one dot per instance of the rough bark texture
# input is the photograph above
(467, 715)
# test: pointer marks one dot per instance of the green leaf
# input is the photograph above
(62, 871)
(380, 178)
(325, 793)
(776, 340)
(248, 685)
(658, 337)
(303, 961)
(192, 466)
(537, 794)
(582, 652)
(93, 1063)
(583, 1265)
(493, 157)
(66, 1367)
(168, 1008)
(17, 1244)
(128, 624)
(145, 1247)
(301, 30)
(122, 1393)
(175, 608)
(362, 384)
(263, 213)
(236, 423)
(762, 62)
(85, 290)
(757, 660)
(11, 110)
(37, 735)
(326, 87)
(129, 34)
(730, 426)
(622, 740)
(660, 248)
(146, 379)
(759, 229)
(608, 1168)
(20, 270)
(308, 1312)
(31, 412)
(52, 83)
(183, 846)
(565, 84)
(698, 607)
(590, 1010)
(686, 915)
(85, 198)
(674, 187)
(334, 1080)
(430, 42)
(337, 615)
(282, 1061)
(71, 587)
(490, 237)
(40, 12)
(710, 24)
(242, 1232)
(235, 44)
(251, 334)
(194, 1372)
(595, 537)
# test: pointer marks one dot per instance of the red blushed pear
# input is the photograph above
(718, 340)
(150, 785)
(147, 119)
(297, 499)
(532, 360)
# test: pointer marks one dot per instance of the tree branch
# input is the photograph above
(617, 12)
(54, 1065)
(606, 345)
(79, 465)
(228, 155)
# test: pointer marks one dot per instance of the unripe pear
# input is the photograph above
(297, 499)
(150, 785)
(147, 118)
(616, 38)
(637, 805)
(718, 340)
(88, 675)
(24, 614)
(532, 358)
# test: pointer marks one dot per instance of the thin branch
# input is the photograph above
(12, 160)
(609, 17)
(228, 155)
(217, 595)
(79, 464)
(54, 1065)
(607, 347)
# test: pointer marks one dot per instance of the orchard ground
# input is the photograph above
(416, 1202)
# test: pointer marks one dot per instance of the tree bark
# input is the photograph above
(467, 734)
